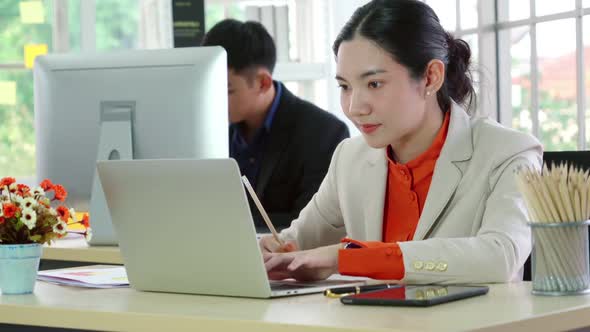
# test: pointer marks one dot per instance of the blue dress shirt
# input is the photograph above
(247, 155)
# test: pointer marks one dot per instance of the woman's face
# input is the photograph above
(378, 94)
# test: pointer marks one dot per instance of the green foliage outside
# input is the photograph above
(558, 127)
(117, 23)
(116, 28)
(559, 131)
(17, 140)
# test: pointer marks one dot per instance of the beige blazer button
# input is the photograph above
(418, 265)
(442, 266)
(429, 266)
(430, 293)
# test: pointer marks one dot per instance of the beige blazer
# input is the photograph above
(473, 224)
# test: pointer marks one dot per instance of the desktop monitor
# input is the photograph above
(140, 104)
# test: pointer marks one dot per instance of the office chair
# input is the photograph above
(577, 158)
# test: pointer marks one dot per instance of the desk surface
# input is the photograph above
(506, 307)
(75, 249)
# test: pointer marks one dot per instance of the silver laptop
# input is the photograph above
(185, 226)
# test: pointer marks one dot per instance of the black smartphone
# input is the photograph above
(415, 296)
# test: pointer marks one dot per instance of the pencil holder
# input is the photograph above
(560, 263)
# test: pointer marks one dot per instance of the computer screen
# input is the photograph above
(175, 99)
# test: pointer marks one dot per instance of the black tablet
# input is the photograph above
(415, 296)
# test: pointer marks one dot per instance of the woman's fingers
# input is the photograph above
(279, 275)
(301, 265)
(277, 261)
(289, 247)
(297, 263)
(269, 244)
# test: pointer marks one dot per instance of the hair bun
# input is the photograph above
(458, 68)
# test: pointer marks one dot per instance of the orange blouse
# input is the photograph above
(407, 189)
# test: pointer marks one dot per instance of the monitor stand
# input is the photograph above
(115, 143)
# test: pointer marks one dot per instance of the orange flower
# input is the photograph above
(9, 209)
(63, 213)
(7, 181)
(22, 189)
(60, 192)
(46, 185)
(85, 222)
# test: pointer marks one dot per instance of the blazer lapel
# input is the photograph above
(375, 181)
(458, 147)
(278, 140)
(274, 150)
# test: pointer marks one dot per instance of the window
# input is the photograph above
(104, 25)
(63, 26)
(538, 59)
(518, 97)
(586, 71)
(52, 25)
(303, 49)
(541, 70)
(446, 10)
(117, 24)
(23, 24)
(556, 65)
(533, 76)
(472, 21)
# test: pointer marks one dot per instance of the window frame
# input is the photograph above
(494, 91)
(505, 112)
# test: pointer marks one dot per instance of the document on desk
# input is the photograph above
(106, 277)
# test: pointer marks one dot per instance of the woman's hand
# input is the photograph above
(307, 265)
(268, 244)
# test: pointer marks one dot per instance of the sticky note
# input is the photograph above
(32, 51)
(8, 93)
(32, 12)
(77, 217)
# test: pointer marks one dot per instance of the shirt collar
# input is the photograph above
(274, 106)
(237, 137)
(428, 157)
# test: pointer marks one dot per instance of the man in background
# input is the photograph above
(283, 144)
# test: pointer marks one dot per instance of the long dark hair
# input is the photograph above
(411, 33)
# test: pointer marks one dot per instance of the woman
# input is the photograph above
(427, 194)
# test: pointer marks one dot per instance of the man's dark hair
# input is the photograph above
(248, 44)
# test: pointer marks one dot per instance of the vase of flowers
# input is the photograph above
(28, 219)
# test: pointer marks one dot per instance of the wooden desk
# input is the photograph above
(507, 307)
(75, 251)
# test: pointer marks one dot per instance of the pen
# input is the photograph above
(345, 291)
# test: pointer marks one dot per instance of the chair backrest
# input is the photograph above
(577, 158)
